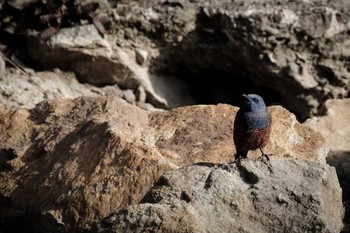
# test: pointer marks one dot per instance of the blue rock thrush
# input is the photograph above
(252, 126)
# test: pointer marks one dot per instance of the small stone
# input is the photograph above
(348, 26)
(141, 94)
(141, 56)
(2, 64)
(129, 96)
(113, 90)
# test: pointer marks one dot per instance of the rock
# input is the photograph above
(40, 86)
(341, 161)
(2, 64)
(50, 85)
(141, 56)
(294, 49)
(112, 90)
(141, 94)
(185, 135)
(69, 163)
(297, 51)
(280, 195)
(83, 50)
(100, 62)
(129, 96)
(83, 166)
(335, 119)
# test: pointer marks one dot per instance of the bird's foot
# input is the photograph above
(266, 156)
(236, 160)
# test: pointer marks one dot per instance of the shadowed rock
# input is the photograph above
(280, 195)
(334, 125)
(297, 49)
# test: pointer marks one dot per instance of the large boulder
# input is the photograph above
(334, 125)
(66, 164)
(276, 195)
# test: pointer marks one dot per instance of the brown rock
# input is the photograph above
(68, 163)
(291, 139)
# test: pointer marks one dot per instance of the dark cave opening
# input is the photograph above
(212, 86)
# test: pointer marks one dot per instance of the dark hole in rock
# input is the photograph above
(213, 87)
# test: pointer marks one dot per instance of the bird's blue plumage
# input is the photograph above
(252, 125)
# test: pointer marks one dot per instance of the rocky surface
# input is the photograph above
(22, 90)
(68, 163)
(278, 195)
(296, 53)
(297, 49)
(65, 164)
(98, 61)
(334, 125)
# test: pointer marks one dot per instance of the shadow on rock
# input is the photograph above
(288, 195)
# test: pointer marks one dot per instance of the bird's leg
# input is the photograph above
(240, 155)
(265, 155)
(238, 159)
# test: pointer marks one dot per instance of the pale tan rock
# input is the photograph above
(202, 130)
(83, 159)
(290, 138)
(335, 124)
(98, 61)
(25, 91)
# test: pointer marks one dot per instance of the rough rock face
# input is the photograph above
(39, 86)
(298, 49)
(335, 127)
(98, 61)
(68, 163)
(334, 124)
(45, 85)
(247, 197)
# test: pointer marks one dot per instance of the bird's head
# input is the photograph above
(253, 102)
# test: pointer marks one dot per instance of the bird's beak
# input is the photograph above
(245, 96)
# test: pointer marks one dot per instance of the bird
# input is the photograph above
(252, 126)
